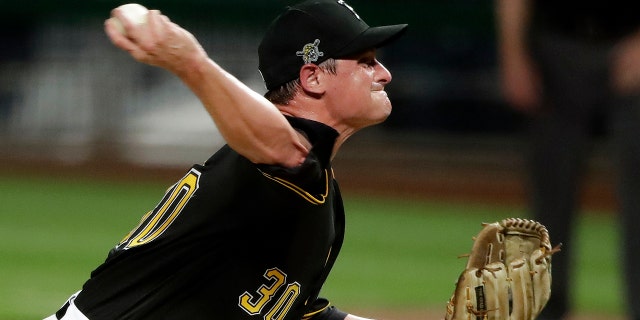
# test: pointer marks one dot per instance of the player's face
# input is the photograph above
(358, 90)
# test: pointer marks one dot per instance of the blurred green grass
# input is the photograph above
(398, 253)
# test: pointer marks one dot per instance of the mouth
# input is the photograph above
(380, 91)
(377, 87)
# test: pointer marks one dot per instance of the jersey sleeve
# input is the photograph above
(322, 309)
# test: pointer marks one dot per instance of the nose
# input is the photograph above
(383, 75)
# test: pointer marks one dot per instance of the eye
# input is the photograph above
(370, 62)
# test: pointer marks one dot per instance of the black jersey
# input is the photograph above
(230, 240)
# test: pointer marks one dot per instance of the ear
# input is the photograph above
(312, 79)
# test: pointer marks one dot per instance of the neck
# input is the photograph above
(308, 107)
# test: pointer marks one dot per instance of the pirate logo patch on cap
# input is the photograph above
(310, 52)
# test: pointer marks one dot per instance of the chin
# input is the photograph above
(387, 109)
(382, 117)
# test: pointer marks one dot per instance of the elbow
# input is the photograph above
(285, 156)
(282, 148)
(288, 157)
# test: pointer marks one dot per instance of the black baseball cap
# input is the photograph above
(312, 32)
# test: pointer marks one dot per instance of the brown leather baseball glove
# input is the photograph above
(508, 275)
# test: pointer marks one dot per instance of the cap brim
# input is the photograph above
(372, 38)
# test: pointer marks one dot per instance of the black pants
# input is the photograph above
(577, 91)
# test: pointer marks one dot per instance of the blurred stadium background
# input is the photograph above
(72, 105)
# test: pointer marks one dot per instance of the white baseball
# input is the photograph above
(134, 13)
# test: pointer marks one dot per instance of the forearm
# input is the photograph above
(352, 317)
(625, 66)
(250, 124)
(519, 76)
(512, 18)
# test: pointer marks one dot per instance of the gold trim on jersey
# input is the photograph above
(316, 200)
(310, 315)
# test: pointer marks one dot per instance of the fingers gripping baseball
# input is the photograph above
(508, 275)
(154, 40)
